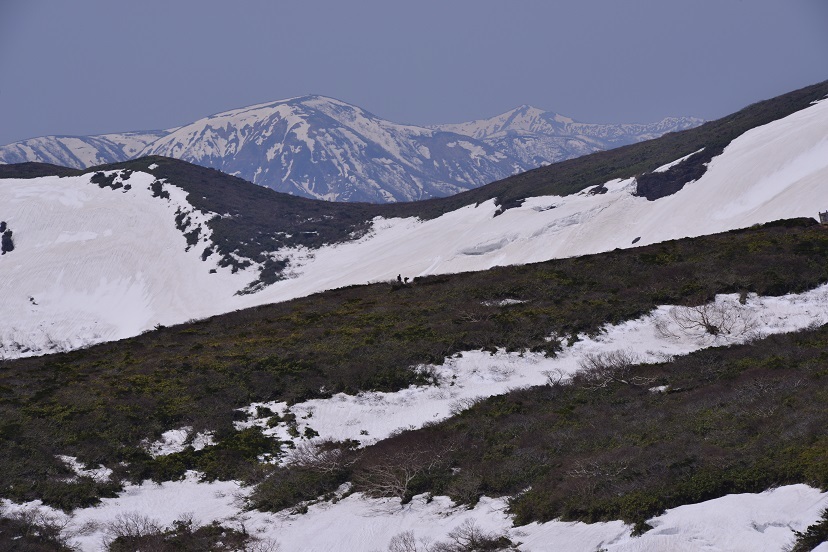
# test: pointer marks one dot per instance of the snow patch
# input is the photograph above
(100, 474)
(466, 377)
(502, 303)
(176, 440)
(736, 523)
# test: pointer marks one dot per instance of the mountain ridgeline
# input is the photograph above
(262, 219)
(322, 148)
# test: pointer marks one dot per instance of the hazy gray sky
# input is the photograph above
(96, 66)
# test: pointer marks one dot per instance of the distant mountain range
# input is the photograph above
(536, 138)
(322, 148)
(80, 152)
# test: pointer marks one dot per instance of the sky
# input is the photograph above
(95, 66)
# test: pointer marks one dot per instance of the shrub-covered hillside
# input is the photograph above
(101, 403)
(724, 420)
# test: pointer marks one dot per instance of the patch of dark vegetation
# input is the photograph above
(36, 170)
(32, 531)
(286, 488)
(234, 263)
(99, 404)
(6, 240)
(511, 204)
(467, 537)
(158, 190)
(115, 180)
(104, 180)
(235, 456)
(131, 532)
(732, 420)
(192, 237)
(272, 272)
(655, 185)
(812, 537)
(183, 222)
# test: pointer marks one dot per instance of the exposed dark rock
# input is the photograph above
(105, 181)
(6, 242)
(656, 185)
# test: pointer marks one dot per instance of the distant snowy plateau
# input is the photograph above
(93, 264)
(323, 148)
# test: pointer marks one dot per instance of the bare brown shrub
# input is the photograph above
(728, 320)
(466, 537)
(598, 370)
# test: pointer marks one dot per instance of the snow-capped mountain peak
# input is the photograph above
(521, 118)
(526, 118)
(535, 137)
(328, 149)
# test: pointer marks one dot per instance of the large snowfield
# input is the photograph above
(103, 264)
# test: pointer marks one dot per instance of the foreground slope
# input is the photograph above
(106, 404)
(206, 243)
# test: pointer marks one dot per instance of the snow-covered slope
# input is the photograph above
(323, 148)
(79, 152)
(538, 137)
(93, 264)
(760, 522)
